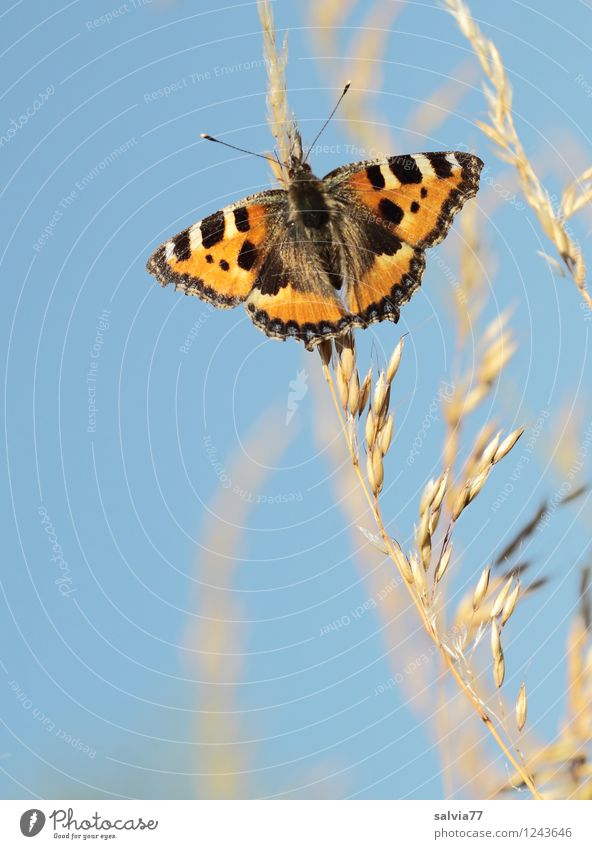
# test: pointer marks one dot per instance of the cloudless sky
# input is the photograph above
(174, 545)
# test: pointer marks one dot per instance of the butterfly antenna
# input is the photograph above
(316, 138)
(234, 147)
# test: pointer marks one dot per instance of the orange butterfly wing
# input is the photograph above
(415, 197)
(218, 258)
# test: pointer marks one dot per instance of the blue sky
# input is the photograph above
(175, 543)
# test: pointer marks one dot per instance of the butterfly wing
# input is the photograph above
(414, 199)
(218, 258)
(245, 252)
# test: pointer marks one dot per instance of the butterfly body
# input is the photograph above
(323, 255)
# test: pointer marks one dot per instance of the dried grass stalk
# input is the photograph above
(278, 116)
(502, 131)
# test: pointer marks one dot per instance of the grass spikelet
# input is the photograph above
(510, 604)
(370, 430)
(394, 362)
(278, 116)
(481, 588)
(443, 563)
(385, 434)
(401, 561)
(499, 666)
(500, 599)
(365, 392)
(521, 707)
(507, 445)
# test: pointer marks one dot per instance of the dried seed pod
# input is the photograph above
(499, 671)
(380, 394)
(353, 397)
(473, 399)
(443, 563)
(462, 499)
(342, 385)
(481, 588)
(477, 483)
(510, 604)
(440, 490)
(424, 540)
(521, 706)
(500, 599)
(365, 392)
(370, 472)
(419, 578)
(346, 355)
(401, 562)
(507, 445)
(394, 361)
(370, 430)
(488, 453)
(386, 434)
(426, 497)
(378, 469)
(499, 666)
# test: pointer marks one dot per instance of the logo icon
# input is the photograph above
(298, 389)
(32, 822)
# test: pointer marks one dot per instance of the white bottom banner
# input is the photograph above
(288, 824)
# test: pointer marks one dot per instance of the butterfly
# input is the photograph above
(322, 256)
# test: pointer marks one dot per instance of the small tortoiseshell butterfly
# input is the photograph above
(360, 232)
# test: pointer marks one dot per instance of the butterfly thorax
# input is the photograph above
(307, 198)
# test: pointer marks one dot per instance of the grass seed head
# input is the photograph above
(488, 454)
(443, 564)
(365, 392)
(380, 395)
(481, 588)
(394, 362)
(386, 434)
(342, 385)
(419, 578)
(353, 396)
(500, 599)
(499, 671)
(401, 561)
(507, 445)
(370, 430)
(378, 470)
(510, 604)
